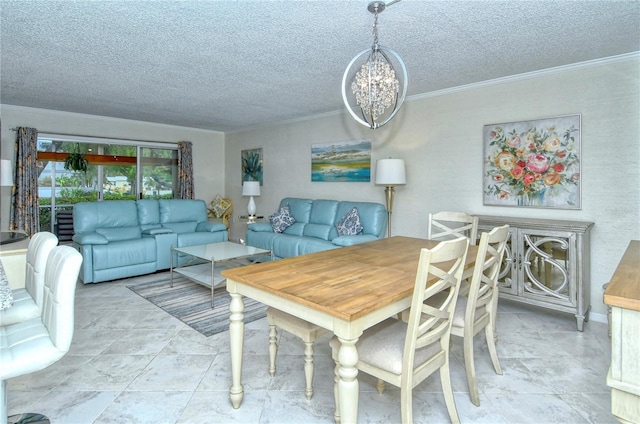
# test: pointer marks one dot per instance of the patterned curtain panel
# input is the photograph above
(185, 170)
(25, 213)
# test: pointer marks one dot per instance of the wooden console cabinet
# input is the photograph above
(623, 296)
(546, 263)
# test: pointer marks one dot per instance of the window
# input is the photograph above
(117, 170)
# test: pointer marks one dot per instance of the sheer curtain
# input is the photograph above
(185, 170)
(25, 213)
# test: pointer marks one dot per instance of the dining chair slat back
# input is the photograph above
(450, 225)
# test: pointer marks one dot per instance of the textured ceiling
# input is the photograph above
(232, 65)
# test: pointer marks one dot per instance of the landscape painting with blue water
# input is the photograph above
(343, 161)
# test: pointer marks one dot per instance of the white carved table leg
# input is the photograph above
(273, 349)
(348, 389)
(236, 336)
(308, 369)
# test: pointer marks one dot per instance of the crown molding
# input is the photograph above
(529, 75)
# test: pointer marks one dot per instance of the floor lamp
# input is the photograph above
(390, 173)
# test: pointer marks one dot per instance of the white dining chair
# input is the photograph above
(406, 353)
(32, 345)
(450, 225)
(307, 331)
(478, 309)
(27, 301)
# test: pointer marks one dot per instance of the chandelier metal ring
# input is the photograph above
(346, 80)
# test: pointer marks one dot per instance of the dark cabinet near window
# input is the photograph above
(546, 263)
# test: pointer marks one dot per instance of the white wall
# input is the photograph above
(208, 146)
(440, 138)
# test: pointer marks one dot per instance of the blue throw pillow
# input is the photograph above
(350, 225)
(282, 219)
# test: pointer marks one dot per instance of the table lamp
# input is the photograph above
(390, 173)
(251, 188)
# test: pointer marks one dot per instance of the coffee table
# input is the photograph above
(212, 254)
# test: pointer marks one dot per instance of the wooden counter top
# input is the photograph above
(624, 288)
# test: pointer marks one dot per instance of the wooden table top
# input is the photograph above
(624, 288)
(348, 282)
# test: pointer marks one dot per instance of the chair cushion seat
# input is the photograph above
(459, 313)
(24, 308)
(26, 347)
(461, 309)
(304, 329)
(383, 346)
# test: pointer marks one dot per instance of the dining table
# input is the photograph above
(344, 290)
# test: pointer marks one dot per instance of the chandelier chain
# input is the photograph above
(375, 27)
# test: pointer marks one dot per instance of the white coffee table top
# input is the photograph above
(221, 251)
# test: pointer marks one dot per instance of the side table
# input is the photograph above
(250, 220)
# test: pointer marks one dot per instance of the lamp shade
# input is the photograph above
(251, 188)
(6, 176)
(390, 172)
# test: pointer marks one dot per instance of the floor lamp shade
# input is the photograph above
(6, 176)
(390, 173)
(251, 188)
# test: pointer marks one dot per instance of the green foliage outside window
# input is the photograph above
(72, 188)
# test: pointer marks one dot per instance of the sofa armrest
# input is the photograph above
(260, 227)
(156, 231)
(351, 240)
(210, 227)
(90, 238)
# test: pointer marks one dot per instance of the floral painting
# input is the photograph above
(533, 163)
(345, 161)
(251, 165)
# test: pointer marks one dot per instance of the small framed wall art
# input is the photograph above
(533, 163)
(343, 161)
(251, 165)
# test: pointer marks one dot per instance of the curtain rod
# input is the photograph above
(57, 134)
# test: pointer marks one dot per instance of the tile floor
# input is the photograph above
(130, 362)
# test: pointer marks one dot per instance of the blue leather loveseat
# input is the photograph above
(315, 227)
(123, 238)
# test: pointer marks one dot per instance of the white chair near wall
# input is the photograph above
(34, 344)
(406, 353)
(307, 331)
(27, 301)
(478, 309)
(450, 225)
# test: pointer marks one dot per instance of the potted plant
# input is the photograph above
(76, 161)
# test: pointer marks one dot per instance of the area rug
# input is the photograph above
(191, 303)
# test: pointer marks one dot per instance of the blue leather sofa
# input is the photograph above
(315, 229)
(124, 238)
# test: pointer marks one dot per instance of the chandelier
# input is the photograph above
(374, 94)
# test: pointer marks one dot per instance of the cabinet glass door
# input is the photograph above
(507, 279)
(544, 267)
